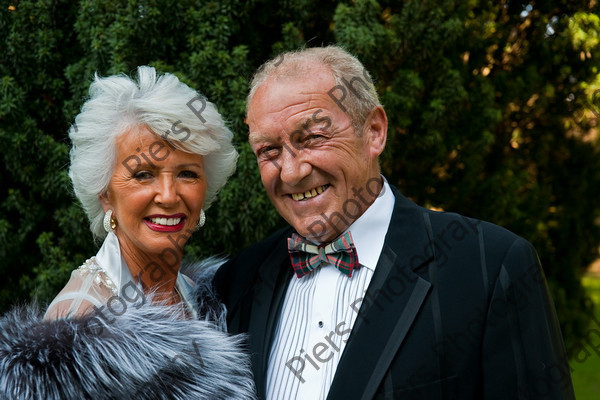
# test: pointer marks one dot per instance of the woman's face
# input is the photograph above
(156, 194)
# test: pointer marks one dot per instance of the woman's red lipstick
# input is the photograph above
(162, 226)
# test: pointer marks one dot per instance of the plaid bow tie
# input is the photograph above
(306, 256)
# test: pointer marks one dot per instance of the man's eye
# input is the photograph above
(268, 152)
(143, 175)
(309, 138)
(188, 174)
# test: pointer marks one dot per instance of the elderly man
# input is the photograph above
(367, 295)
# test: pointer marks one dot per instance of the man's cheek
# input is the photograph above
(272, 193)
(269, 173)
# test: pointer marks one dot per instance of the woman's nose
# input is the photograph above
(166, 192)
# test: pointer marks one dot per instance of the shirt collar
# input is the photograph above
(369, 230)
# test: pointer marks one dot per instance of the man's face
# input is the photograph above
(317, 172)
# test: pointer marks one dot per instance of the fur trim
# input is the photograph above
(207, 302)
(146, 352)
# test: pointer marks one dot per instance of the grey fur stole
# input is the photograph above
(146, 352)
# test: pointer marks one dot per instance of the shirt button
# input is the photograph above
(320, 324)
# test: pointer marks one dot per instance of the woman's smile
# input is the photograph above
(165, 223)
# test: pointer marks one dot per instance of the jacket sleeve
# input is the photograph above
(523, 355)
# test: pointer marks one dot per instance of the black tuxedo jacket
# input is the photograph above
(457, 309)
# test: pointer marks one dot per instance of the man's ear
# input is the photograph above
(105, 201)
(375, 128)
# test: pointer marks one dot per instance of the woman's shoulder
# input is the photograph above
(88, 287)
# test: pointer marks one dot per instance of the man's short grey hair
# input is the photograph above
(168, 108)
(345, 68)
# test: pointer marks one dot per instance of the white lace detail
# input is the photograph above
(91, 266)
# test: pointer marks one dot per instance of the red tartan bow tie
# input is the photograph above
(306, 256)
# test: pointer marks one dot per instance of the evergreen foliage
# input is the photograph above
(493, 113)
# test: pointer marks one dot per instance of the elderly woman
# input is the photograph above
(148, 158)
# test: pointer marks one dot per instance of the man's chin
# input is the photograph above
(317, 234)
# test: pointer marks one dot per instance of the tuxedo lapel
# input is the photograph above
(267, 300)
(390, 306)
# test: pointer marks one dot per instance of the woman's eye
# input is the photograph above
(188, 174)
(143, 175)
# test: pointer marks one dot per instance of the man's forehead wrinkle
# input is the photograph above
(304, 109)
(288, 107)
(305, 99)
(300, 107)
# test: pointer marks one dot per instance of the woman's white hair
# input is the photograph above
(168, 108)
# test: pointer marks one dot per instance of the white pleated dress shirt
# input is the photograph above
(319, 311)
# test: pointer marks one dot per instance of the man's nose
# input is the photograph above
(295, 166)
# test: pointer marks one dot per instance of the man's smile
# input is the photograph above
(309, 194)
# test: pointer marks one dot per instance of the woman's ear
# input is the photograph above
(105, 201)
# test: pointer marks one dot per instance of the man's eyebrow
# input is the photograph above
(300, 125)
(254, 138)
